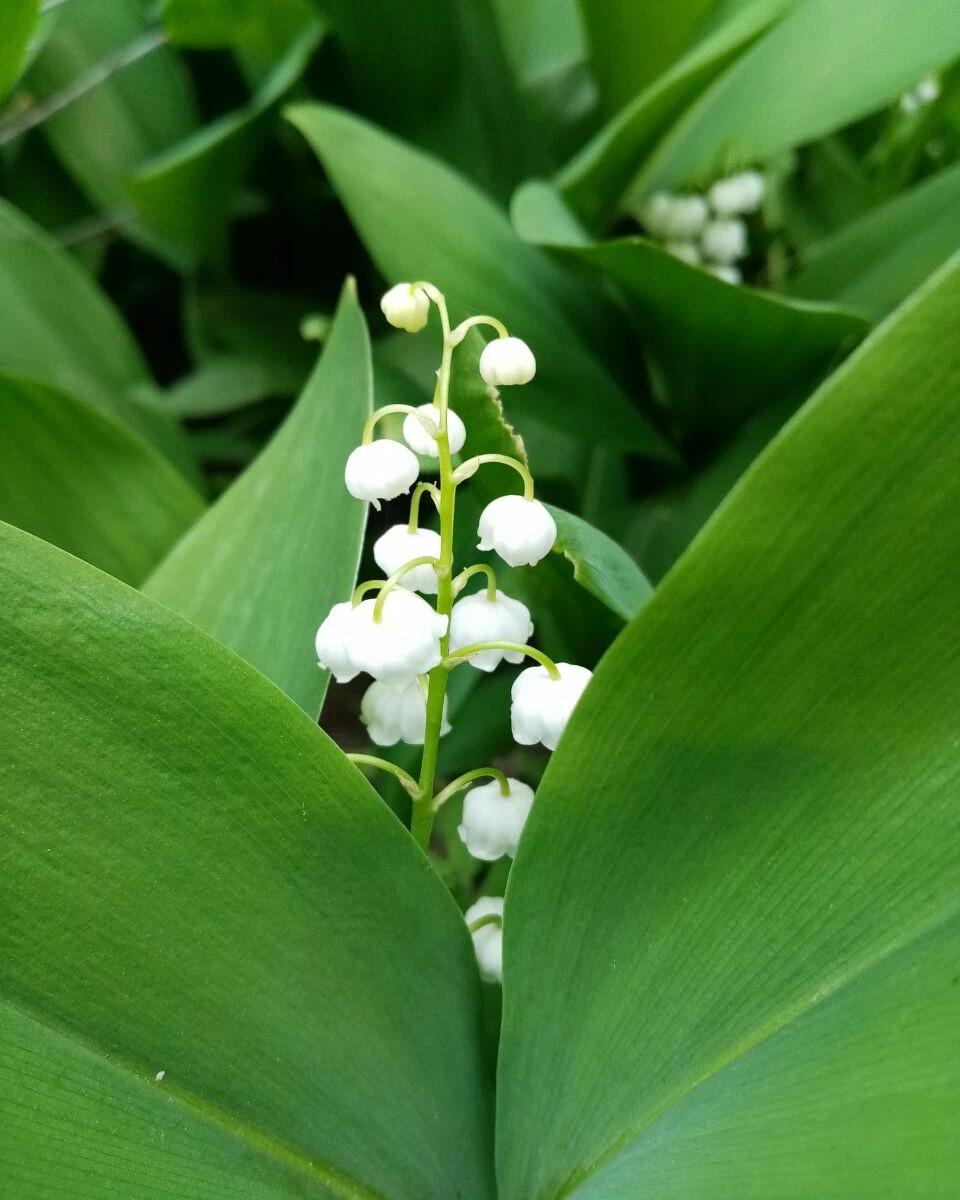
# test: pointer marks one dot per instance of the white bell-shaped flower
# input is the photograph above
(398, 546)
(656, 211)
(405, 307)
(488, 939)
(685, 217)
(332, 643)
(380, 470)
(725, 240)
(397, 714)
(403, 644)
(686, 251)
(507, 361)
(492, 823)
(477, 619)
(422, 442)
(541, 707)
(742, 193)
(726, 273)
(521, 531)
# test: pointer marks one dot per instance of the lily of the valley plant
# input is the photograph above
(409, 646)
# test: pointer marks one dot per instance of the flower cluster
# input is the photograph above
(707, 231)
(409, 645)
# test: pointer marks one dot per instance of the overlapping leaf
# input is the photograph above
(756, 805)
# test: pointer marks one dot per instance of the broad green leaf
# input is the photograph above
(753, 818)
(876, 261)
(58, 326)
(19, 21)
(130, 115)
(601, 566)
(633, 42)
(261, 570)
(263, 27)
(594, 181)
(225, 968)
(843, 58)
(420, 220)
(76, 478)
(722, 351)
(188, 192)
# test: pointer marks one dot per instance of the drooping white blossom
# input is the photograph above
(476, 619)
(422, 442)
(380, 470)
(685, 217)
(727, 273)
(398, 546)
(686, 251)
(488, 939)
(332, 643)
(492, 823)
(405, 642)
(394, 714)
(521, 531)
(541, 707)
(741, 193)
(507, 361)
(405, 307)
(725, 240)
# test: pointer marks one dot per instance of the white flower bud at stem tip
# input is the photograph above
(405, 308)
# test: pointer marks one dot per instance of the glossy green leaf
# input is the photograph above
(756, 805)
(722, 351)
(19, 22)
(263, 27)
(876, 261)
(58, 326)
(420, 220)
(225, 968)
(130, 115)
(596, 178)
(75, 477)
(187, 194)
(633, 42)
(843, 58)
(281, 546)
(600, 565)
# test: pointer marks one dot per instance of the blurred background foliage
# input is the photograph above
(185, 185)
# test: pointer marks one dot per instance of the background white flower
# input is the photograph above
(476, 619)
(332, 643)
(394, 714)
(488, 940)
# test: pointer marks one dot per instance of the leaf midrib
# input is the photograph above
(832, 986)
(337, 1182)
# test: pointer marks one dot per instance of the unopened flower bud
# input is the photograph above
(332, 643)
(393, 714)
(521, 531)
(507, 361)
(541, 707)
(685, 217)
(380, 470)
(686, 251)
(403, 644)
(725, 240)
(726, 273)
(492, 823)
(477, 619)
(741, 193)
(422, 442)
(405, 307)
(398, 546)
(488, 939)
